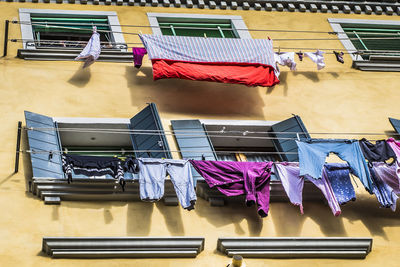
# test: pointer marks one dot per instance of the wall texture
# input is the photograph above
(335, 99)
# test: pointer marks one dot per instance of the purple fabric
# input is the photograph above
(388, 173)
(293, 184)
(138, 54)
(239, 178)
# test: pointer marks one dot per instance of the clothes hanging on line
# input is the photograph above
(339, 56)
(338, 175)
(293, 183)
(313, 152)
(92, 50)
(233, 178)
(317, 57)
(388, 174)
(285, 59)
(383, 192)
(381, 151)
(138, 54)
(226, 60)
(93, 166)
(152, 176)
(395, 145)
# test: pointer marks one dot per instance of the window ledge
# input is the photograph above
(71, 54)
(379, 63)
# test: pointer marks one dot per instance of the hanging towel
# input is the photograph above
(293, 183)
(138, 54)
(317, 57)
(92, 50)
(226, 60)
(338, 175)
(233, 178)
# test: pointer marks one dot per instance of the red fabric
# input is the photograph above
(240, 73)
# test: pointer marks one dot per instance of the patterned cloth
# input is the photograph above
(199, 49)
(338, 175)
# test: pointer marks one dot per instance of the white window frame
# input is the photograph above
(27, 32)
(348, 45)
(238, 24)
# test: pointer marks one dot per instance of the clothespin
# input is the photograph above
(50, 155)
(268, 38)
(94, 29)
(222, 130)
(300, 55)
(205, 35)
(279, 50)
(298, 136)
(203, 157)
(66, 150)
(148, 154)
(140, 32)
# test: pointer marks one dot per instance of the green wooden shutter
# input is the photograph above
(195, 145)
(65, 24)
(43, 141)
(151, 142)
(396, 124)
(294, 124)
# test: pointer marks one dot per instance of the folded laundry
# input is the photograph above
(93, 166)
(293, 183)
(313, 152)
(152, 178)
(227, 60)
(234, 178)
(338, 175)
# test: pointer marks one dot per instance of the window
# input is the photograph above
(367, 39)
(219, 26)
(53, 25)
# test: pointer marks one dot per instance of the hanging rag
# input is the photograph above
(226, 60)
(152, 173)
(317, 57)
(285, 59)
(138, 54)
(338, 175)
(92, 50)
(233, 178)
(313, 152)
(93, 166)
(293, 183)
(339, 56)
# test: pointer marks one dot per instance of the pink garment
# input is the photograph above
(395, 145)
(293, 184)
(388, 174)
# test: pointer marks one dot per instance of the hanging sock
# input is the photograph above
(138, 54)
(339, 56)
(286, 59)
(92, 50)
(300, 55)
(317, 57)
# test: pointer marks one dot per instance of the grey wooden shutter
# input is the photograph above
(151, 143)
(194, 145)
(294, 124)
(42, 141)
(396, 125)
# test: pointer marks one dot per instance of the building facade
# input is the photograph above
(38, 74)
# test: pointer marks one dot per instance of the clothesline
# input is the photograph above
(356, 51)
(275, 39)
(197, 28)
(183, 132)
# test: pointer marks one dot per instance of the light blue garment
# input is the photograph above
(152, 176)
(312, 155)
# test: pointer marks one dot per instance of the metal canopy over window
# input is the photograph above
(197, 27)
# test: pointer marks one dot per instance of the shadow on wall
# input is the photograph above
(289, 222)
(81, 77)
(188, 97)
(234, 212)
(140, 215)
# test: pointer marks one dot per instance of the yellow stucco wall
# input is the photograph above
(335, 99)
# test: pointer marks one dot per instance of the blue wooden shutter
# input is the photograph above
(194, 145)
(396, 125)
(151, 143)
(294, 124)
(43, 141)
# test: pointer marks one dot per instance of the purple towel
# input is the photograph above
(234, 178)
(138, 54)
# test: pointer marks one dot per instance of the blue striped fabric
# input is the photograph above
(215, 50)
